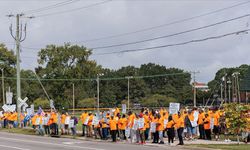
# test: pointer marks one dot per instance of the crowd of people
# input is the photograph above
(135, 127)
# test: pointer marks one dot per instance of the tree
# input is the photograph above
(66, 62)
(157, 101)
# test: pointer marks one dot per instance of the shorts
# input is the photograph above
(191, 130)
(62, 126)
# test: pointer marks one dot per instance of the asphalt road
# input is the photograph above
(10, 141)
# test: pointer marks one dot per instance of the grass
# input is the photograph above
(224, 146)
(19, 131)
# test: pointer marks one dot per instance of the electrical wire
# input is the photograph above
(75, 9)
(171, 35)
(60, 4)
(166, 24)
(104, 79)
(176, 44)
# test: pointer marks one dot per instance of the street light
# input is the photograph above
(98, 91)
(128, 77)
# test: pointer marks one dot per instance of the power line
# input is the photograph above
(104, 79)
(160, 37)
(60, 4)
(176, 44)
(171, 35)
(164, 25)
(75, 9)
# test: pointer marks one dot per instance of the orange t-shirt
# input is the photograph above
(170, 124)
(122, 123)
(63, 117)
(113, 124)
(160, 126)
(207, 124)
(146, 121)
(201, 116)
(180, 122)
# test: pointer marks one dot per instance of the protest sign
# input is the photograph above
(45, 120)
(135, 126)
(95, 121)
(165, 123)
(67, 120)
(38, 121)
(174, 108)
(29, 111)
(86, 121)
(71, 123)
(152, 127)
(141, 123)
(9, 96)
(124, 107)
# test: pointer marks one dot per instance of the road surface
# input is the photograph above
(11, 141)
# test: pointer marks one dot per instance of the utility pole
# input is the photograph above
(128, 77)
(18, 39)
(3, 85)
(229, 90)
(194, 84)
(73, 99)
(98, 91)
(225, 88)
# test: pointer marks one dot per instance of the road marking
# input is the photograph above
(61, 145)
(12, 147)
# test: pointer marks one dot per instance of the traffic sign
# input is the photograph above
(22, 102)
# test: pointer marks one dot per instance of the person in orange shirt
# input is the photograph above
(180, 128)
(141, 128)
(170, 130)
(216, 117)
(147, 124)
(122, 126)
(156, 133)
(207, 127)
(89, 127)
(54, 124)
(63, 118)
(83, 118)
(160, 128)
(113, 128)
(201, 117)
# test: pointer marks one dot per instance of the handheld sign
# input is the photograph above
(135, 126)
(51, 104)
(141, 123)
(86, 121)
(9, 96)
(38, 121)
(71, 123)
(67, 120)
(152, 127)
(174, 108)
(45, 120)
(124, 107)
(32, 108)
(95, 121)
(29, 111)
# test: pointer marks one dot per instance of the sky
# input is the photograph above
(81, 21)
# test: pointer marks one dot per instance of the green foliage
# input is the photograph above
(235, 116)
(157, 101)
(87, 103)
(44, 103)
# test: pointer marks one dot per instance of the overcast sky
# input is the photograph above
(123, 16)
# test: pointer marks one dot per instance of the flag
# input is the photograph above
(40, 111)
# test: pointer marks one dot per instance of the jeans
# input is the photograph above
(104, 133)
(161, 136)
(170, 132)
(147, 133)
(113, 135)
(83, 129)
